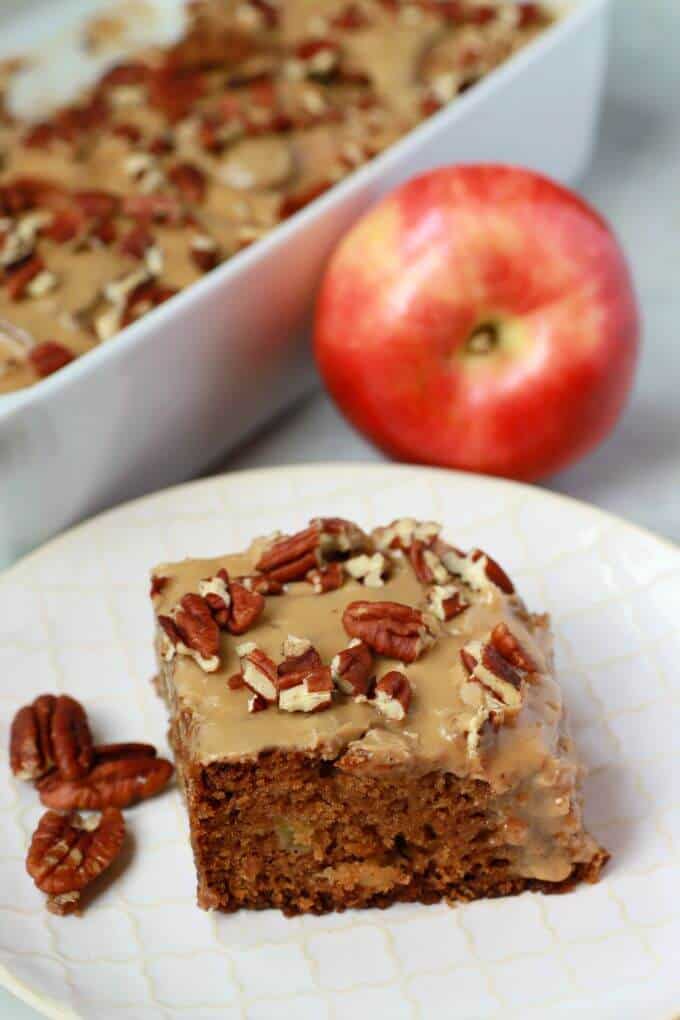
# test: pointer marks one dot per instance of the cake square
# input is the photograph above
(360, 719)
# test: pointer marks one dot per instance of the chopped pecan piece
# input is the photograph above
(236, 682)
(393, 695)
(446, 602)
(96, 204)
(20, 275)
(204, 252)
(328, 578)
(245, 609)
(261, 583)
(352, 669)
(298, 200)
(158, 584)
(389, 628)
(48, 357)
(53, 731)
(370, 570)
(67, 853)
(476, 569)
(403, 531)
(507, 645)
(426, 564)
(309, 690)
(191, 630)
(215, 591)
(189, 180)
(259, 671)
(299, 654)
(486, 666)
(114, 782)
(256, 703)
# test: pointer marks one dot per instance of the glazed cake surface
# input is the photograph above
(444, 769)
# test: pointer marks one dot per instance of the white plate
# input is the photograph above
(75, 617)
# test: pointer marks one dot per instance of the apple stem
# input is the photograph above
(483, 339)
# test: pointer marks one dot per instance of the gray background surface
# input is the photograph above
(635, 182)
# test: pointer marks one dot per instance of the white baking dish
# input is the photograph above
(178, 388)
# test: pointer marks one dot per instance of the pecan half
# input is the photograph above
(325, 579)
(352, 669)
(309, 690)
(446, 602)
(327, 538)
(114, 782)
(53, 731)
(260, 674)
(393, 695)
(292, 557)
(390, 628)
(67, 853)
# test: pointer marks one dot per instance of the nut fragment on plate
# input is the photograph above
(52, 731)
(391, 629)
(67, 853)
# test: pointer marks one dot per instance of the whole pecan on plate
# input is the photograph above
(67, 853)
(117, 780)
(51, 732)
(390, 628)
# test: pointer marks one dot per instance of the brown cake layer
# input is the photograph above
(305, 835)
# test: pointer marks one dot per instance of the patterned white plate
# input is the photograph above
(75, 617)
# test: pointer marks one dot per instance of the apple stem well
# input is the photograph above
(484, 339)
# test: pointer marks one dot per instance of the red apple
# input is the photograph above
(480, 317)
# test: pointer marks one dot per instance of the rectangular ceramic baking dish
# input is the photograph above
(177, 389)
